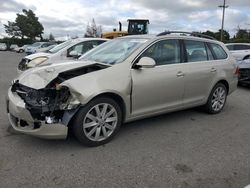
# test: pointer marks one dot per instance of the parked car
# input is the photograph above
(37, 45)
(240, 51)
(12, 47)
(68, 50)
(244, 72)
(3, 47)
(20, 49)
(46, 49)
(122, 80)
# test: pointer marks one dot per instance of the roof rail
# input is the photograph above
(195, 34)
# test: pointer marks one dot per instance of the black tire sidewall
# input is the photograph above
(208, 105)
(79, 118)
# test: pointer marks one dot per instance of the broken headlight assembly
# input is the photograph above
(45, 102)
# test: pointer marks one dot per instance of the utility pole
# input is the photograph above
(224, 6)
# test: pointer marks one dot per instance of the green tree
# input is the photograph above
(226, 35)
(29, 24)
(25, 25)
(51, 37)
(242, 34)
(209, 33)
(12, 29)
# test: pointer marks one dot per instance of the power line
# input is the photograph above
(224, 6)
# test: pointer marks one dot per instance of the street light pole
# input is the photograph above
(224, 6)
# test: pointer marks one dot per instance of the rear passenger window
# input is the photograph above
(241, 47)
(196, 51)
(164, 52)
(219, 52)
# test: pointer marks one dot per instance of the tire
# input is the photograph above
(217, 99)
(21, 51)
(98, 122)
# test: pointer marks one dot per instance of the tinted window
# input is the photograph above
(45, 45)
(196, 51)
(218, 51)
(164, 52)
(90, 44)
(241, 47)
(78, 48)
(230, 47)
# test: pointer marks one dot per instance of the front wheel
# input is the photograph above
(217, 99)
(97, 122)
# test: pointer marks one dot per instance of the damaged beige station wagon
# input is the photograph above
(122, 80)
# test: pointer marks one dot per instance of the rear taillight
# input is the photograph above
(237, 71)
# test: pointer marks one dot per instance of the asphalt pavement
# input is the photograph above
(181, 150)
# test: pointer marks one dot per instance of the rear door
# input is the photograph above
(200, 72)
(159, 88)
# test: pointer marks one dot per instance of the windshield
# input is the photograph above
(60, 46)
(114, 51)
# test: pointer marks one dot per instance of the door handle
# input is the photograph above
(180, 74)
(213, 69)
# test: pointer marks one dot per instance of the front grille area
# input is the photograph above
(41, 102)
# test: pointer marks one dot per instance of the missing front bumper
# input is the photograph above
(39, 129)
(22, 121)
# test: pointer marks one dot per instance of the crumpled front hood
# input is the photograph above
(40, 77)
(36, 55)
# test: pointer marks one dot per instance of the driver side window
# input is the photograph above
(164, 52)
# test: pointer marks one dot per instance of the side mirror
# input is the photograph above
(146, 62)
(74, 54)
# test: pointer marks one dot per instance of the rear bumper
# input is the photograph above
(233, 86)
(22, 121)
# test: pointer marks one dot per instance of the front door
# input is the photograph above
(159, 88)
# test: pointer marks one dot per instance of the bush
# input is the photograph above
(19, 42)
(235, 40)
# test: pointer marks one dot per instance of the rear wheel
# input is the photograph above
(98, 122)
(217, 99)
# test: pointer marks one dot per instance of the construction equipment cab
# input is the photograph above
(135, 27)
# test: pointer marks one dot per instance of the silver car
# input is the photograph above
(240, 51)
(122, 80)
(68, 50)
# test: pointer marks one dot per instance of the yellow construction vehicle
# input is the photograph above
(135, 27)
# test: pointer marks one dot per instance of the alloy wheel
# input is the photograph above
(100, 122)
(218, 99)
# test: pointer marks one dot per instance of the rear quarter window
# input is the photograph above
(218, 51)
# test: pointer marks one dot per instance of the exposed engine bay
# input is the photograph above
(49, 103)
(42, 102)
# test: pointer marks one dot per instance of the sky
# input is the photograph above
(70, 17)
